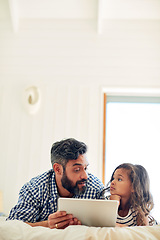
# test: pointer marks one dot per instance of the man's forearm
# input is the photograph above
(36, 224)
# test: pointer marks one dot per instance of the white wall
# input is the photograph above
(70, 63)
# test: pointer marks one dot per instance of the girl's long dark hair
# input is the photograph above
(141, 199)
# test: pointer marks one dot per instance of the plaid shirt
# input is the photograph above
(38, 198)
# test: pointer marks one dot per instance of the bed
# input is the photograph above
(18, 230)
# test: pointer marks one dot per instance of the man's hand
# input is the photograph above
(61, 219)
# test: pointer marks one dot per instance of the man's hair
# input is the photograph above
(65, 150)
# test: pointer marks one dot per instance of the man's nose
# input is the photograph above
(84, 174)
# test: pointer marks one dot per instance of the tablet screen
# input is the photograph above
(91, 212)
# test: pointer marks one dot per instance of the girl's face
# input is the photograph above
(121, 184)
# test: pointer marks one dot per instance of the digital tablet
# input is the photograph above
(91, 212)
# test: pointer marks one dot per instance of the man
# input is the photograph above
(37, 203)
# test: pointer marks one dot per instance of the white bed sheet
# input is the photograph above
(17, 230)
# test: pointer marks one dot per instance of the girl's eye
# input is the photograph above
(119, 179)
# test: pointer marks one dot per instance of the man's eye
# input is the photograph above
(77, 169)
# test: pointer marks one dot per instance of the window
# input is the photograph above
(132, 134)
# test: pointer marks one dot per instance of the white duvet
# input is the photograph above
(17, 230)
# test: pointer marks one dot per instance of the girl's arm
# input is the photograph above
(121, 225)
(146, 221)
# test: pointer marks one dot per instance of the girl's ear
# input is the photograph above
(58, 169)
(132, 189)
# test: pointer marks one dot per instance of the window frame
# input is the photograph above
(136, 92)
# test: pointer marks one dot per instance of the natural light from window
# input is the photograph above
(133, 135)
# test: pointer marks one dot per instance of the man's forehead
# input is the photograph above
(81, 161)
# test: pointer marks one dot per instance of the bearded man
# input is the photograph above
(37, 203)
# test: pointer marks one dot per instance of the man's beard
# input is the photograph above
(67, 184)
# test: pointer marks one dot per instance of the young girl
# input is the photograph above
(129, 185)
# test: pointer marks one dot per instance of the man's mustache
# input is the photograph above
(81, 181)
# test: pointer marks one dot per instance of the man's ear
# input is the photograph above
(58, 169)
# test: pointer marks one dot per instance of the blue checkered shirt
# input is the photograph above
(38, 198)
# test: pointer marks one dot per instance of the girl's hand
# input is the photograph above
(121, 225)
(115, 197)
